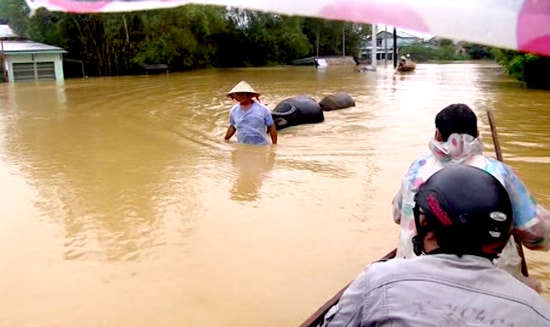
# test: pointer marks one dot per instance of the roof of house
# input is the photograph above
(399, 34)
(406, 35)
(12, 43)
(26, 46)
(6, 32)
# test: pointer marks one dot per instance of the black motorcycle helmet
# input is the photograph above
(468, 209)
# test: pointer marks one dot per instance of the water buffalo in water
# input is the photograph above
(296, 111)
(337, 101)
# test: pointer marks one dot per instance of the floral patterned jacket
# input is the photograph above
(531, 221)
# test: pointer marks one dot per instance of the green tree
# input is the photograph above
(529, 68)
(478, 51)
(419, 52)
(328, 36)
(15, 13)
(264, 39)
(187, 37)
(425, 52)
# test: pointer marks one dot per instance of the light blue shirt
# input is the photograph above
(251, 124)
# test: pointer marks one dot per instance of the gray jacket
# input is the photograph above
(438, 290)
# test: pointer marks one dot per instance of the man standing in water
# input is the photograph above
(249, 118)
(456, 141)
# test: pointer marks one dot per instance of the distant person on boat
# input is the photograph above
(405, 64)
(456, 141)
(402, 61)
(249, 118)
(464, 218)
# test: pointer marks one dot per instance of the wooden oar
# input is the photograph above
(498, 152)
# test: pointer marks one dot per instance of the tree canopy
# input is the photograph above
(531, 69)
(187, 37)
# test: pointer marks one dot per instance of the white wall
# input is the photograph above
(38, 57)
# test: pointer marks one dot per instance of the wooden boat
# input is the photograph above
(408, 66)
(316, 319)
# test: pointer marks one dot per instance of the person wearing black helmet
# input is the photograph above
(464, 218)
(466, 210)
(456, 141)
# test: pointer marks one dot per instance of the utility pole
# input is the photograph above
(374, 46)
(4, 71)
(317, 43)
(344, 40)
(385, 45)
(394, 48)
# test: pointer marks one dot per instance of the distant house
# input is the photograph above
(25, 60)
(384, 43)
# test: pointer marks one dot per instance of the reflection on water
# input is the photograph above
(252, 163)
(97, 173)
(122, 206)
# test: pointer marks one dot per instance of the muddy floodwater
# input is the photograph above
(122, 206)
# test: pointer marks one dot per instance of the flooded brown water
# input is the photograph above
(121, 205)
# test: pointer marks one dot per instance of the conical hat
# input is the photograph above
(242, 87)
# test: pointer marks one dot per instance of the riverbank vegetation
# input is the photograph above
(437, 49)
(423, 53)
(187, 37)
(531, 69)
(198, 36)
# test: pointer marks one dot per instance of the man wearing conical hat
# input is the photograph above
(249, 118)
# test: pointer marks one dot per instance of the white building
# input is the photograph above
(25, 60)
(384, 44)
